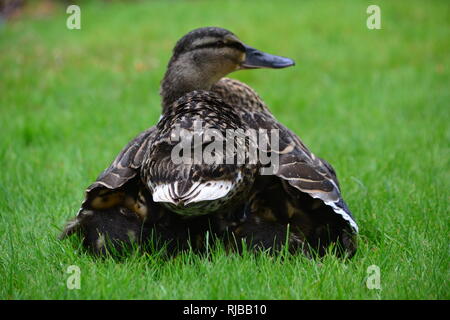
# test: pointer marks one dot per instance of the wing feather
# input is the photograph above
(300, 168)
(312, 175)
(108, 190)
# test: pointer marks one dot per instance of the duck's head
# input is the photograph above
(205, 55)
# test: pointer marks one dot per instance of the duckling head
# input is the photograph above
(205, 55)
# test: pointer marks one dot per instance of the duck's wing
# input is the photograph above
(125, 167)
(117, 190)
(309, 191)
(301, 189)
(307, 173)
(312, 175)
(300, 168)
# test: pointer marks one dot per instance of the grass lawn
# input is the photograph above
(374, 103)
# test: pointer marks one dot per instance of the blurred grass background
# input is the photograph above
(374, 103)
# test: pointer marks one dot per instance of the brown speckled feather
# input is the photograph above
(180, 186)
(125, 201)
(301, 168)
(232, 104)
(320, 216)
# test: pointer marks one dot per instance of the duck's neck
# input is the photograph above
(181, 78)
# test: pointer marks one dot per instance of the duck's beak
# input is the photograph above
(258, 59)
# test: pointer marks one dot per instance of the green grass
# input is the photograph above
(375, 103)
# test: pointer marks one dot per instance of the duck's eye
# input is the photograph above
(236, 45)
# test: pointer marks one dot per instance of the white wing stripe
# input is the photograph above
(198, 192)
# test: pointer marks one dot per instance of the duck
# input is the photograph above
(297, 197)
(195, 187)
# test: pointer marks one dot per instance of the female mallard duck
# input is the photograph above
(180, 201)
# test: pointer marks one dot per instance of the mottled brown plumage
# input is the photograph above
(303, 193)
(299, 203)
(185, 181)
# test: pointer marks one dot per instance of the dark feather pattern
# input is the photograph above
(145, 193)
(309, 188)
(287, 201)
(186, 181)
